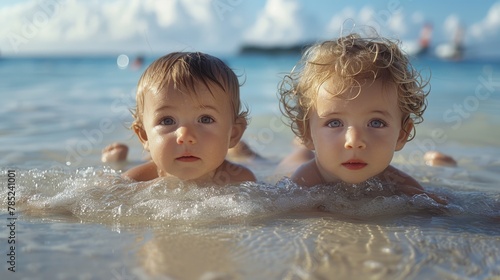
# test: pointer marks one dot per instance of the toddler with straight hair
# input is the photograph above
(188, 114)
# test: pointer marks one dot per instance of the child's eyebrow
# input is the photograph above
(170, 107)
(382, 112)
(329, 113)
(210, 107)
(336, 113)
(162, 108)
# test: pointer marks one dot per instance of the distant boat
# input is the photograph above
(138, 62)
(454, 50)
(261, 49)
(425, 39)
(422, 46)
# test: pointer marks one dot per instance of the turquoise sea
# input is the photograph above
(71, 217)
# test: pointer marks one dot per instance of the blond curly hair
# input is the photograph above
(184, 70)
(349, 61)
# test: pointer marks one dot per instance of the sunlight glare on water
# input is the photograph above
(122, 61)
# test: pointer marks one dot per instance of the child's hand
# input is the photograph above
(416, 190)
(437, 198)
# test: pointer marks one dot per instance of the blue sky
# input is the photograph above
(222, 26)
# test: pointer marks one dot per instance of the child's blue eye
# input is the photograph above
(377, 124)
(167, 121)
(334, 123)
(206, 119)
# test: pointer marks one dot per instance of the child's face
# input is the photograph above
(356, 139)
(187, 136)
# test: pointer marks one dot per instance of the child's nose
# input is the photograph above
(185, 135)
(354, 139)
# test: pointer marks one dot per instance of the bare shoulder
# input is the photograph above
(144, 172)
(229, 172)
(406, 184)
(394, 176)
(307, 174)
(293, 161)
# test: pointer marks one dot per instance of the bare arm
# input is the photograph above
(229, 172)
(406, 184)
(307, 175)
(225, 174)
(144, 172)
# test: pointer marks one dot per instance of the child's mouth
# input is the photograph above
(354, 165)
(187, 158)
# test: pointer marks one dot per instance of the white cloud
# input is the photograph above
(397, 24)
(451, 25)
(51, 24)
(366, 14)
(418, 17)
(383, 21)
(338, 21)
(91, 26)
(281, 22)
(489, 26)
(129, 17)
(159, 26)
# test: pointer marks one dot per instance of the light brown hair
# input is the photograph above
(348, 62)
(184, 70)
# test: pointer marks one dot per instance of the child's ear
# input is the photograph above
(406, 129)
(308, 143)
(143, 137)
(239, 126)
(306, 139)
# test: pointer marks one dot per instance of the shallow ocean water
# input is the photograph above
(77, 219)
(91, 224)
